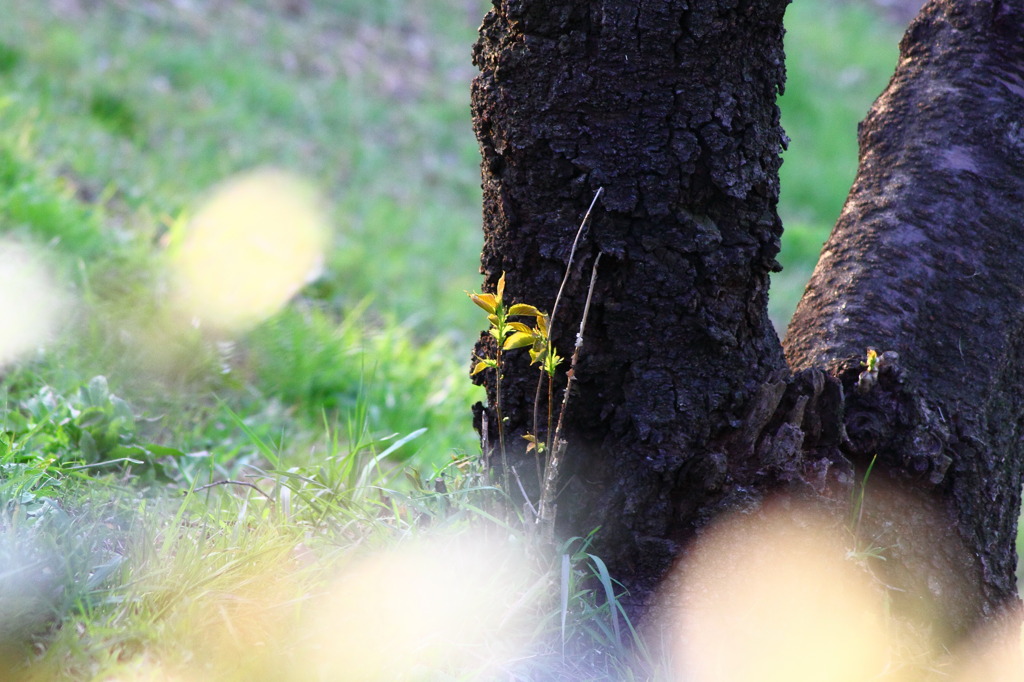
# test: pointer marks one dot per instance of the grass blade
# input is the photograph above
(609, 593)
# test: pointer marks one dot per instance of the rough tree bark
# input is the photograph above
(926, 261)
(685, 406)
(639, 98)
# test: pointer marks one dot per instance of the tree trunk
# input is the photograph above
(683, 406)
(926, 260)
(672, 111)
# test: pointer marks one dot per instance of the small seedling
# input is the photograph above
(869, 377)
(510, 335)
(500, 330)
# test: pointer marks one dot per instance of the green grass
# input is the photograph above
(159, 106)
(116, 559)
(839, 59)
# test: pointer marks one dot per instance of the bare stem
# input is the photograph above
(244, 484)
(529, 505)
(536, 422)
(488, 451)
(572, 254)
(551, 321)
(501, 418)
(549, 432)
(547, 508)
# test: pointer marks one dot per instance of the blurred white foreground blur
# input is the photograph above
(33, 304)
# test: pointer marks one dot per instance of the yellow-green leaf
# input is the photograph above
(542, 326)
(481, 366)
(518, 340)
(520, 327)
(524, 309)
(499, 334)
(485, 301)
(551, 363)
(501, 288)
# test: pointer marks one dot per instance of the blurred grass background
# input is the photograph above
(839, 59)
(117, 117)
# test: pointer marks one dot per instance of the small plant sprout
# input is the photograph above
(511, 335)
(542, 354)
(504, 333)
(869, 377)
(872, 360)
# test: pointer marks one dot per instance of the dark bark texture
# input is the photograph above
(670, 107)
(926, 260)
(684, 407)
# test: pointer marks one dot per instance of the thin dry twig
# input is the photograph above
(551, 323)
(246, 484)
(572, 255)
(533, 510)
(547, 506)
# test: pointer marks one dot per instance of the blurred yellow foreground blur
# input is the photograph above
(247, 250)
